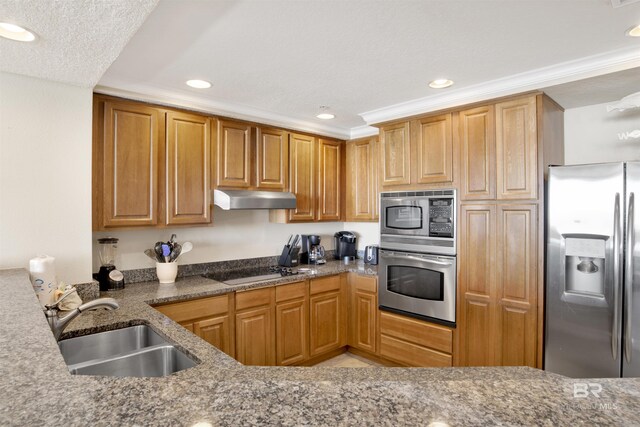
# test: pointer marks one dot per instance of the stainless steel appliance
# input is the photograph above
(311, 251)
(345, 244)
(371, 254)
(420, 221)
(248, 199)
(593, 271)
(418, 285)
(255, 274)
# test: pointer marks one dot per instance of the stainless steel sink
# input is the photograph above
(135, 351)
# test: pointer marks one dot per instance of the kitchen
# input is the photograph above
(64, 227)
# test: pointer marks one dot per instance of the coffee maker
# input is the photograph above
(345, 244)
(311, 251)
(108, 276)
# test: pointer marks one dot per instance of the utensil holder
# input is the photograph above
(167, 271)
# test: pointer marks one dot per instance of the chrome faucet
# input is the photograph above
(58, 324)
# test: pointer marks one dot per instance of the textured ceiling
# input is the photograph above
(76, 39)
(289, 57)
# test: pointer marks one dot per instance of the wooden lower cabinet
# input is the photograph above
(255, 327)
(414, 342)
(292, 323)
(327, 309)
(363, 313)
(209, 318)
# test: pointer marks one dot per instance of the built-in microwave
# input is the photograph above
(418, 285)
(419, 221)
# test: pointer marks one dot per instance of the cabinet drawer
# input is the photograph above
(325, 284)
(365, 283)
(255, 298)
(416, 332)
(412, 354)
(291, 291)
(195, 309)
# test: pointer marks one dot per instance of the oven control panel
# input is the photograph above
(441, 217)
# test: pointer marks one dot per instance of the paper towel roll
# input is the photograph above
(43, 278)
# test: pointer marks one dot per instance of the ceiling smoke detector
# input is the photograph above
(16, 32)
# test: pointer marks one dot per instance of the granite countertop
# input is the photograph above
(38, 389)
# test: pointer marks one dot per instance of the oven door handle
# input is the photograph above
(415, 258)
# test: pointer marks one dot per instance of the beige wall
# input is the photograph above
(45, 175)
(593, 136)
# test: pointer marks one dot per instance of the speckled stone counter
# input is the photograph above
(38, 389)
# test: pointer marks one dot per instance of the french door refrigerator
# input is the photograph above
(592, 325)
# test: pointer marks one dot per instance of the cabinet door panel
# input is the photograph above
(329, 185)
(302, 159)
(477, 289)
(477, 140)
(517, 284)
(254, 337)
(517, 149)
(292, 344)
(361, 187)
(234, 154)
(365, 307)
(131, 147)
(217, 332)
(327, 322)
(188, 145)
(435, 149)
(396, 157)
(272, 159)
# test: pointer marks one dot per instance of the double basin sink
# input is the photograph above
(134, 351)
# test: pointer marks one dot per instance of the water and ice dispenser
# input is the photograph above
(585, 264)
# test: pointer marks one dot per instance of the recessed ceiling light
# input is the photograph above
(440, 83)
(633, 31)
(16, 32)
(199, 84)
(325, 114)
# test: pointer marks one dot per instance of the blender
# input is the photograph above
(109, 277)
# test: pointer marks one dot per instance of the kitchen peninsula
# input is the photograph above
(220, 391)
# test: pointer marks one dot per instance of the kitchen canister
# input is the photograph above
(167, 271)
(42, 271)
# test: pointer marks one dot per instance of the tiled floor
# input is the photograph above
(348, 360)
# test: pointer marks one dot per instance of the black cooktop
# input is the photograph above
(248, 275)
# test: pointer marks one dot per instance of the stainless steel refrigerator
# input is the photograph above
(592, 325)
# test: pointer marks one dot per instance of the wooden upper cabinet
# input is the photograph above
(234, 154)
(329, 180)
(130, 150)
(477, 158)
(361, 186)
(396, 154)
(517, 149)
(434, 139)
(188, 168)
(302, 172)
(272, 158)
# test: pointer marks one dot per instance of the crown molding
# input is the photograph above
(363, 131)
(540, 78)
(170, 98)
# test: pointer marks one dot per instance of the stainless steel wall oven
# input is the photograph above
(417, 267)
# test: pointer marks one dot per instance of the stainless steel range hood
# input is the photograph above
(246, 199)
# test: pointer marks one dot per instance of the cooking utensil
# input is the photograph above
(175, 253)
(289, 241)
(151, 254)
(166, 251)
(158, 250)
(186, 247)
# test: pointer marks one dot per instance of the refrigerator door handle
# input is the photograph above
(628, 281)
(617, 231)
